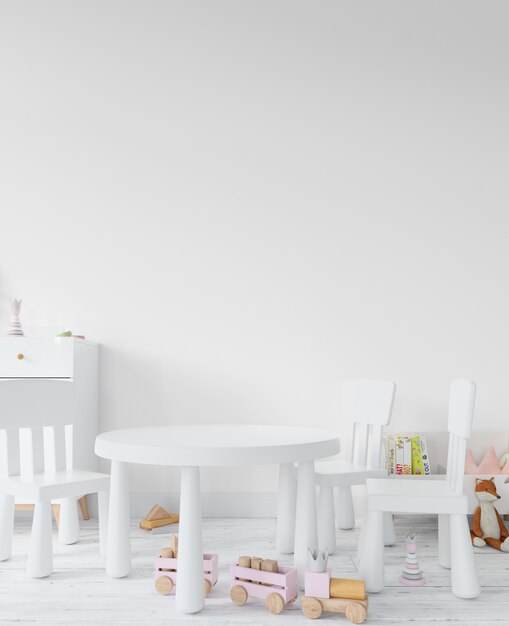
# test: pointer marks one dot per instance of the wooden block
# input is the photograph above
(167, 553)
(174, 542)
(269, 565)
(256, 563)
(347, 588)
(156, 512)
(151, 524)
(244, 561)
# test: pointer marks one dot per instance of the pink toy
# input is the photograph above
(166, 573)
(276, 588)
(412, 575)
(339, 595)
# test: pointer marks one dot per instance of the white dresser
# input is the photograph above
(50, 376)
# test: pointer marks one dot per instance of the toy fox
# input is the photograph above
(488, 527)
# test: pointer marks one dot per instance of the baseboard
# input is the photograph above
(217, 504)
(214, 504)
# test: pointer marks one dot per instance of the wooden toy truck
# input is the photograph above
(277, 588)
(323, 593)
(166, 573)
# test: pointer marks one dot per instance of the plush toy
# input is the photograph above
(488, 527)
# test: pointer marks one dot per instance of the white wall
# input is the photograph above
(246, 202)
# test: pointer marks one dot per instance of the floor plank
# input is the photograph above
(80, 594)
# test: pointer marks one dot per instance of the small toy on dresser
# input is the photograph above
(265, 579)
(488, 526)
(15, 329)
(166, 569)
(339, 595)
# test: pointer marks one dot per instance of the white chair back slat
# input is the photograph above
(375, 457)
(37, 450)
(361, 444)
(461, 415)
(9, 453)
(54, 448)
(366, 404)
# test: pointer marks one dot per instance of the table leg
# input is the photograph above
(285, 537)
(118, 545)
(305, 518)
(189, 589)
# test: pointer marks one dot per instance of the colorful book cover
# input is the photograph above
(417, 463)
(391, 455)
(425, 457)
(407, 455)
(400, 454)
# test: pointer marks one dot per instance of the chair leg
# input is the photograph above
(103, 498)
(464, 580)
(6, 525)
(389, 532)
(371, 566)
(326, 523)
(69, 526)
(444, 541)
(285, 535)
(40, 556)
(345, 518)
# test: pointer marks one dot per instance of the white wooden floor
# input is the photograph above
(79, 593)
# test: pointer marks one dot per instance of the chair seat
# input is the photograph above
(53, 485)
(407, 495)
(338, 473)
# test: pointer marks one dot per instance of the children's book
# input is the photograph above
(391, 455)
(407, 455)
(417, 464)
(425, 457)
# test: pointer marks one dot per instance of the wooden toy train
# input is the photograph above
(263, 578)
(340, 595)
(166, 569)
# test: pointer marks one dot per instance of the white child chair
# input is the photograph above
(42, 474)
(365, 407)
(429, 496)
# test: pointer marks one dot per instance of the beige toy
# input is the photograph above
(488, 527)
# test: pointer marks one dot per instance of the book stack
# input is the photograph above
(407, 454)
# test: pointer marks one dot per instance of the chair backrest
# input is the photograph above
(461, 414)
(366, 407)
(35, 433)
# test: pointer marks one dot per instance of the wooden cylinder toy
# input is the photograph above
(175, 545)
(167, 553)
(256, 563)
(269, 565)
(347, 588)
(244, 561)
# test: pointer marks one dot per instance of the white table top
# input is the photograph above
(218, 445)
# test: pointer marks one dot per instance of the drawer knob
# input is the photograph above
(21, 356)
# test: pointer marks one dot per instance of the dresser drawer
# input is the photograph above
(36, 357)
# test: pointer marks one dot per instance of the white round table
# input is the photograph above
(220, 445)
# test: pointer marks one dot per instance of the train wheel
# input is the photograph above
(311, 607)
(356, 613)
(275, 603)
(164, 585)
(238, 595)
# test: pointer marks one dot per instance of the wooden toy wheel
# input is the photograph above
(311, 607)
(356, 613)
(164, 585)
(275, 603)
(207, 586)
(238, 595)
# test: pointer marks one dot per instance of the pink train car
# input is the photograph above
(165, 575)
(276, 588)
